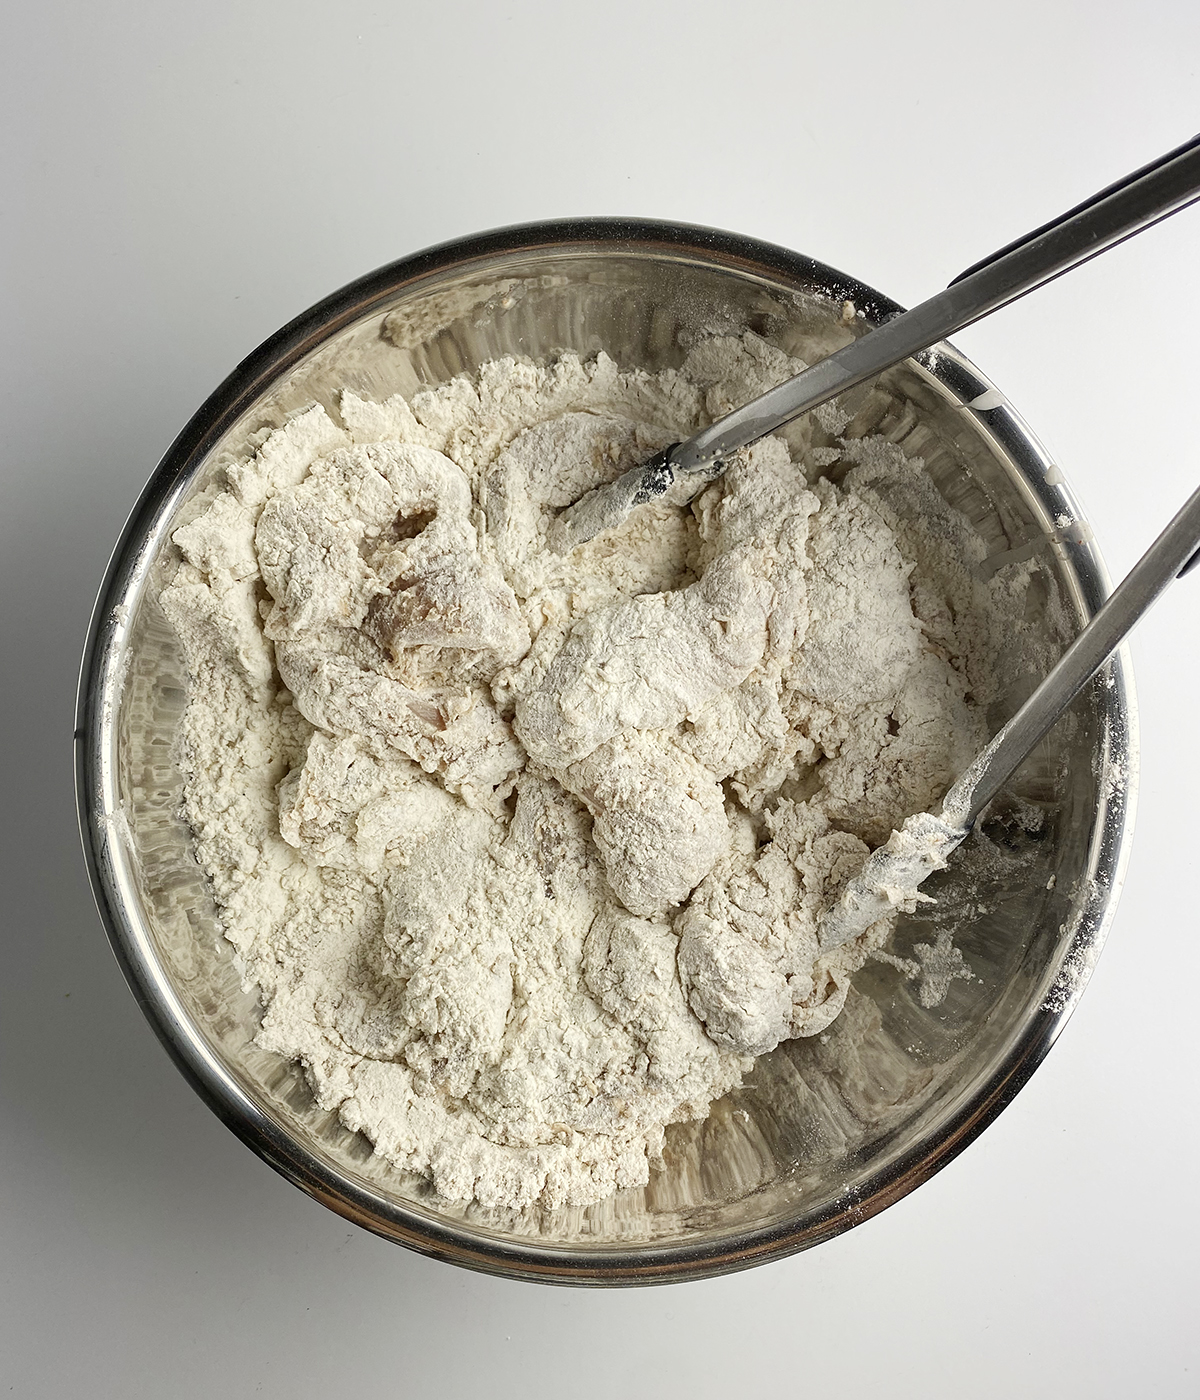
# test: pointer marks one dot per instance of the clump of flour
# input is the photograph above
(528, 854)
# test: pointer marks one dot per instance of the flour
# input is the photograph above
(528, 853)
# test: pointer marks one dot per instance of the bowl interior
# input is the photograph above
(825, 1131)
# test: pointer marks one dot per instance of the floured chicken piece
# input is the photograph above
(527, 853)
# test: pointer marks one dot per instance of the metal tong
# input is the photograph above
(1114, 214)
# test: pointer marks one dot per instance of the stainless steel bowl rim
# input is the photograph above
(100, 815)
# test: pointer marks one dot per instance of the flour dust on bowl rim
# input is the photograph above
(825, 1132)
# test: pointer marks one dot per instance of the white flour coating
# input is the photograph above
(528, 854)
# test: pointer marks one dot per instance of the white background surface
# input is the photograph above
(179, 180)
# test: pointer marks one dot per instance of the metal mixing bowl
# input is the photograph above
(825, 1132)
